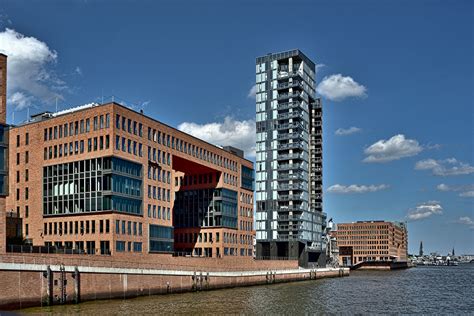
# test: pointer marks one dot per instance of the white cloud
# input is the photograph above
(252, 92)
(20, 100)
(338, 88)
(425, 210)
(355, 188)
(466, 220)
(446, 167)
(443, 187)
(78, 71)
(467, 194)
(466, 190)
(319, 66)
(395, 148)
(347, 131)
(240, 134)
(29, 73)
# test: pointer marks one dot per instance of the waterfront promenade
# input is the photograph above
(35, 280)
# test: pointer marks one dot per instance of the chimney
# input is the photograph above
(3, 88)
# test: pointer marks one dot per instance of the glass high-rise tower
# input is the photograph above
(289, 217)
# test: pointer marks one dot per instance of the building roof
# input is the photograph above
(45, 115)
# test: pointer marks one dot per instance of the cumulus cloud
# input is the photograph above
(20, 100)
(319, 66)
(355, 188)
(466, 220)
(347, 131)
(337, 88)
(425, 210)
(465, 190)
(252, 92)
(30, 77)
(446, 167)
(240, 134)
(394, 148)
(78, 71)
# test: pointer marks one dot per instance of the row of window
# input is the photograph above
(120, 246)
(128, 228)
(247, 226)
(77, 147)
(157, 175)
(208, 237)
(128, 146)
(76, 227)
(27, 158)
(76, 128)
(246, 211)
(27, 139)
(159, 156)
(155, 193)
(155, 211)
(187, 148)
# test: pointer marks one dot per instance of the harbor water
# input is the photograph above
(428, 290)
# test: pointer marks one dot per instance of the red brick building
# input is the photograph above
(371, 241)
(3, 150)
(105, 179)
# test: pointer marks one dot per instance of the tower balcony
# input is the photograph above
(292, 187)
(290, 166)
(293, 125)
(289, 105)
(288, 176)
(290, 136)
(294, 114)
(290, 197)
(286, 85)
(283, 96)
(291, 145)
(292, 156)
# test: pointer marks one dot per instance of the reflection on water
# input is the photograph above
(447, 290)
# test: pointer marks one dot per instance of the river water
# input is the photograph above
(428, 290)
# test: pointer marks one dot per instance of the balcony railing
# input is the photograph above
(290, 197)
(288, 105)
(290, 156)
(288, 187)
(291, 145)
(282, 96)
(287, 176)
(285, 85)
(288, 166)
(290, 136)
(290, 125)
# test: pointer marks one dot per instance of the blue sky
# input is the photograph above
(405, 68)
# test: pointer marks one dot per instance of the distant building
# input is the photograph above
(371, 241)
(421, 249)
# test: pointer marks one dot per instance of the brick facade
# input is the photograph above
(3, 112)
(371, 241)
(97, 130)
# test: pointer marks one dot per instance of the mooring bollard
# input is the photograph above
(48, 274)
(77, 285)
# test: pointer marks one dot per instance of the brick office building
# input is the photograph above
(105, 179)
(371, 241)
(3, 150)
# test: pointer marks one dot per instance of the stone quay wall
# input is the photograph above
(33, 280)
